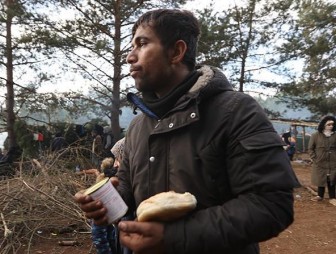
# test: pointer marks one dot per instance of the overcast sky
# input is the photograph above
(218, 4)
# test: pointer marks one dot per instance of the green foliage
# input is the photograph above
(214, 45)
(25, 138)
(314, 42)
(241, 39)
(95, 43)
(276, 36)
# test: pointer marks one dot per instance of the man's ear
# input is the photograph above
(178, 52)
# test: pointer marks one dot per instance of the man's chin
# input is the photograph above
(142, 88)
(139, 88)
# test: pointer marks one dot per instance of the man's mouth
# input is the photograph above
(134, 71)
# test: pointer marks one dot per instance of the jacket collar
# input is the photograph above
(204, 83)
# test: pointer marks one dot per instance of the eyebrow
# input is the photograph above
(139, 38)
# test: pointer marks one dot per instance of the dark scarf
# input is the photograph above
(160, 106)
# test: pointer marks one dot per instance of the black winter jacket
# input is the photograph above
(218, 145)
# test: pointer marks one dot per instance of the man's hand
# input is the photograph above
(115, 181)
(142, 237)
(92, 209)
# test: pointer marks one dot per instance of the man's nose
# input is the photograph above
(131, 58)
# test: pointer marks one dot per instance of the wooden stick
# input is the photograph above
(7, 232)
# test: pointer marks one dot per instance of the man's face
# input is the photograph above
(150, 66)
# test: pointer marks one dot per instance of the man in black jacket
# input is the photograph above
(197, 135)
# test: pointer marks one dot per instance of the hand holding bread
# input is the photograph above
(166, 206)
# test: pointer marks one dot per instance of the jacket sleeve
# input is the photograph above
(124, 187)
(312, 146)
(261, 181)
(108, 141)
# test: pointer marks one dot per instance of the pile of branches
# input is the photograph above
(38, 201)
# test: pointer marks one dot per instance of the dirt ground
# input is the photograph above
(314, 228)
(313, 232)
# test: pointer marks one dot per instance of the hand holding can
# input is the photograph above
(109, 196)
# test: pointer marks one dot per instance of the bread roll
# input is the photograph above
(166, 206)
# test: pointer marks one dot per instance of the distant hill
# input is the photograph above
(273, 104)
(127, 116)
(270, 103)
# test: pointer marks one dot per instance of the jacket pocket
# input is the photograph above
(262, 140)
(214, 174)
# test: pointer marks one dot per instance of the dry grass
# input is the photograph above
(39, 198)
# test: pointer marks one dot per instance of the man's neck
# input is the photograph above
(177, 79)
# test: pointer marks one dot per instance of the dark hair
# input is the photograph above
(171, 25)
(324, 120)
(58, 134)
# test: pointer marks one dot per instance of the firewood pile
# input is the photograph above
(39, 202)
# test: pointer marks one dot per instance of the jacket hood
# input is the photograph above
(107, 129)
(211, 81)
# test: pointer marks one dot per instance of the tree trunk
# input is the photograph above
(116, 73)
(246, 46)
(9, 82)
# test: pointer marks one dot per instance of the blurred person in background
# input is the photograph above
(291, 148)
(58, 143)
(97, 152)
(322, 152)
(108, 141)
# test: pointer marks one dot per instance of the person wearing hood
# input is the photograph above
(108, 141)
(196, 135)
(322, 152)
(97, 153)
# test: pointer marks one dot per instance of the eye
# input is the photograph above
(142, 43)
